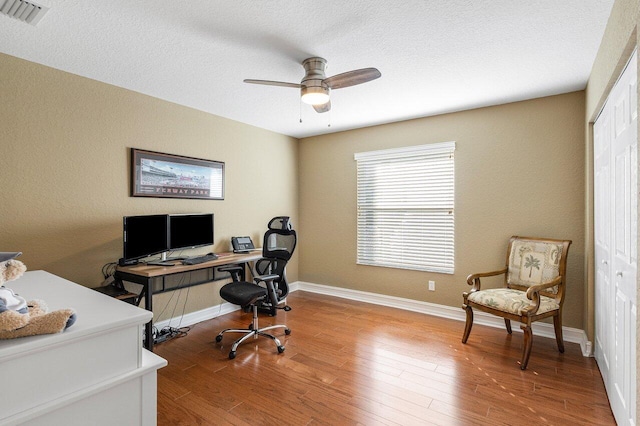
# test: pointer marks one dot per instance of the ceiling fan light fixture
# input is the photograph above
(315, 95)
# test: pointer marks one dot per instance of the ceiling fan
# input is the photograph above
(315, 86)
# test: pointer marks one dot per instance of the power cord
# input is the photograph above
(108, 269)
(168, 333)
(108, 272)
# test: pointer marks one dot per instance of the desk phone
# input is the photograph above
(242, 244)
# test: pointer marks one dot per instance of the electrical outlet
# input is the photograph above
(432, 286)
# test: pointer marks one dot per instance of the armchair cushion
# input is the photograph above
(534, 262)
(510, 300)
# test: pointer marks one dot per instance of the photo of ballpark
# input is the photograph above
(165, 175)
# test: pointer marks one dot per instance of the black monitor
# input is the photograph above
(145, 236)
(190, 230)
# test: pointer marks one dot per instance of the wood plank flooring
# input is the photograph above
(352, 363)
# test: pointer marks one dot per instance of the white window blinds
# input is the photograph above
(405, 207)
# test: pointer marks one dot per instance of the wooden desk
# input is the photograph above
(146, 274)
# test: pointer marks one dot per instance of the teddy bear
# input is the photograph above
(19, 318)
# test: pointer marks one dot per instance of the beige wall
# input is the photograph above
(519, 171)
(64, 165)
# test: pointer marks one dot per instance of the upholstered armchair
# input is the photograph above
(534, 288)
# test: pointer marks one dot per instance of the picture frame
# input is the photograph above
(156, 174)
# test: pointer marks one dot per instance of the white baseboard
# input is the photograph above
(198, 316)
(570, 334)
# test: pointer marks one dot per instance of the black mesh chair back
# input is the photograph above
(278, 246)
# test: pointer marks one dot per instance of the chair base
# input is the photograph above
(253, 331)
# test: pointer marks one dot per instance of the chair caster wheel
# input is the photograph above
(218, 338)
(287, 308)
(287, 331)
(232, 354)
(280, 349)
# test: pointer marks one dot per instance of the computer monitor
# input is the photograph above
(144, 236)
(190, 230)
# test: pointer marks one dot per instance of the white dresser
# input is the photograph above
(94, 373)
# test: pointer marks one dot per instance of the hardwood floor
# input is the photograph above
(354, 363)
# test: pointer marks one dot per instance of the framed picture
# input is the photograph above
(154, 174)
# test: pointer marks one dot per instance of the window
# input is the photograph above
(405, 207)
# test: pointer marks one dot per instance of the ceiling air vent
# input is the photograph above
(25, 11)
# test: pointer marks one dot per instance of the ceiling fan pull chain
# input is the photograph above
(301, 111)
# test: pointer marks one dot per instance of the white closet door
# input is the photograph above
(602, 236)
(615, 201)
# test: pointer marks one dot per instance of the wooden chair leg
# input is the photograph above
(469, 323)
(557, 325)
(507, 322)
(526, 350)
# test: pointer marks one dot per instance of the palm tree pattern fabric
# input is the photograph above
(533, 262)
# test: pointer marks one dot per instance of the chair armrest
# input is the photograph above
(474, 279)
(533, 294)
(265, 278)
(236, 271)
(539, 287)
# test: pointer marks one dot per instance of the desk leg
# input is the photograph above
(148, 302)
(148, 305)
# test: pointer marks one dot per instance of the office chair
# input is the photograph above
(279, 242)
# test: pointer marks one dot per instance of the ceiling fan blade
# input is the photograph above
(351, 78)
(274, 83)
(322, 108)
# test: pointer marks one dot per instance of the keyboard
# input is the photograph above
(199, 259)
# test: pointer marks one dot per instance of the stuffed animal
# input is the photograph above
(19, 318)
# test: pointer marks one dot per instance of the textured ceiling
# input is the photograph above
(435, 56)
